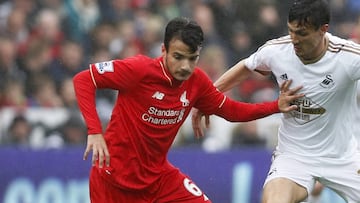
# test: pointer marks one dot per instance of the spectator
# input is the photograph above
(68, 63)
(204, 16)
(81, 16)
(152, 34)
(116, 10)
(16, 27)
(47, 28)
(37, 58)
(224, 16)
(9, 68)
(246, 134)
(13, 95)
(28, 7)
(268, 25)
(213, 61)
(72, 132)
(67, 94)
(102, 36)
(355, 34)
(42, 92)
(166, 8)
(19, 132)
(125, 35)
(241, 42)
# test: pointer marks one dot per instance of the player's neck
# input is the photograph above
(319, 54)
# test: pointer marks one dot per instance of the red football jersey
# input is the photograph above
(150, 108)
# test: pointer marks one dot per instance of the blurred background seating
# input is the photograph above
(44, 43)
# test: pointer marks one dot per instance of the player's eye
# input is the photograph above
(178, 57)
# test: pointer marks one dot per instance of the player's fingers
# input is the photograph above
(196, 123)
(207, 121)
(284, 87)
(291, 108)
(107, 157)
(95, 156)
(297, 96)
(198, 132)
(86, 153)
(294, 90)
(101, 158)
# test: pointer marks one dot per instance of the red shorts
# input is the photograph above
(172, 187)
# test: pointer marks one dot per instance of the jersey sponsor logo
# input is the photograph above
(307, 110)
(163, 116)
(158, 95)
(184, 100)
(328, 82)
(103, 67)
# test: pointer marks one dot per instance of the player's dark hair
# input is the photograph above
(310, 12)
(186, 30)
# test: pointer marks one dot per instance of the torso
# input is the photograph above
(322, 126)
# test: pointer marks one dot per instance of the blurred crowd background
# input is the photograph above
(44, 43)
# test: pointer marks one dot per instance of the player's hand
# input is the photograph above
(100, 153)
(287, 96)
(196, 122)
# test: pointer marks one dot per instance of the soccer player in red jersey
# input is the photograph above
(154, 98)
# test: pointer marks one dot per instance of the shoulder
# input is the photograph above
(138, 63)
(137, 59)
(275, 44)
(337, 44)
(273, 49)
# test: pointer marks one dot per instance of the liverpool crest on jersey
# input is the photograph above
(184, 100)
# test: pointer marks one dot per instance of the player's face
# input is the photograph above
(179, 59)
(306, 40)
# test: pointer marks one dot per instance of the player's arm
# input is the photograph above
(248, 112)
(85, 88)
(242, 112)
(231, 78)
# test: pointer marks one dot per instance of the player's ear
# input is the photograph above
(163, 49)
(324, 28)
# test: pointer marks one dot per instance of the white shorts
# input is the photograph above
(343, 178)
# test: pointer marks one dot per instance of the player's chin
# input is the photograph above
(299, 52)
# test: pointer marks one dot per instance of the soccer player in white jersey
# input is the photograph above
(316, 142)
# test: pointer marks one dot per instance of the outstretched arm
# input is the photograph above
(231, 78)
(255, 111)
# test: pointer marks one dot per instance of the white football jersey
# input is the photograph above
(323, 124)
